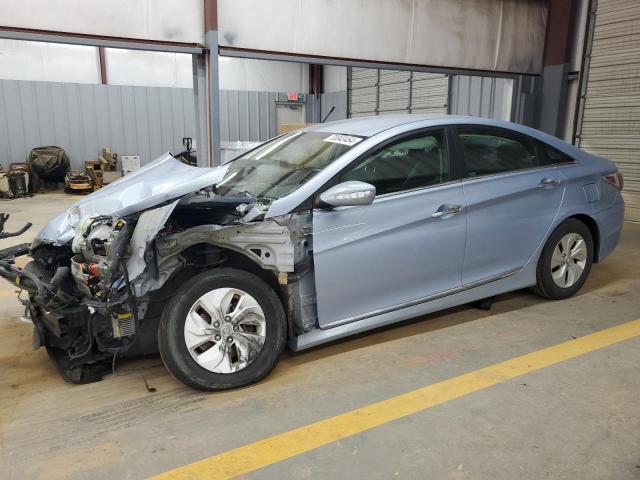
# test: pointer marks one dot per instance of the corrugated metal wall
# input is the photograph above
(610, 122)
(383, 92)
(487, 97)
(362, 91)
(251, 116)
(378, 92)
(429, 93)
(145, 121)
(337, 100)
(82, 119)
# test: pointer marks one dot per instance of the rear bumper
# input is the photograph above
(610, 223)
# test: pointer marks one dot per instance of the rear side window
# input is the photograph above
(415, 162)
(555, 156)
(488, 152)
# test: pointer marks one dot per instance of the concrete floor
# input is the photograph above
(576, 419)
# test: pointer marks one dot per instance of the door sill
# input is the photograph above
(418, 301)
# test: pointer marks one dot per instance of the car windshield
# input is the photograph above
(278, 167)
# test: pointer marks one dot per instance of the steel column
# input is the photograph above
(557, 53)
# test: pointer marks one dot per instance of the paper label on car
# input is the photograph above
(343, 139)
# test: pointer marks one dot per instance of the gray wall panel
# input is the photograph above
(142, 122)
(178, 114)
(334, 99)
(82, 119)
(263, 111)
(60, 113)
(481, 96)
(115, 119)
(15, 127)
(224, 113)
(89, 119)
(5, 138)
(29, 113)
(154, 127)
(243, 113)
(102, 116)
(232, 116)
(145, 121)
(273, 124)
(129, 129)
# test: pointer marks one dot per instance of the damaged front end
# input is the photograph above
(103, 271)
(94, 284)
(100, 295)
(80, 297)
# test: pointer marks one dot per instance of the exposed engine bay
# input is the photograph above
(101, 294)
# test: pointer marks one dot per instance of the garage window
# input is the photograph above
(491, 152)
(414, 162)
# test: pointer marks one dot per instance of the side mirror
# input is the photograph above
(349, 194)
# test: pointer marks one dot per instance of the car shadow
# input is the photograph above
(424, 324)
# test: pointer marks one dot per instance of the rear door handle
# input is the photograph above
(446, 210)
(548, 183)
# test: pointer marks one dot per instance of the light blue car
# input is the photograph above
(313, 236)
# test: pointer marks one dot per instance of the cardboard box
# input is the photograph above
(109, 177)
(290, 127)
(130, 163)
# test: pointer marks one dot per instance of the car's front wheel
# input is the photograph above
(566, 260)
(222, 329)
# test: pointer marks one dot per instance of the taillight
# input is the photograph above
(615, 179)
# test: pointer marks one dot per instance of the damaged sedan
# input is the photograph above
(313, 236)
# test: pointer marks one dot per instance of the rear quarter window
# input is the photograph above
(553, 156)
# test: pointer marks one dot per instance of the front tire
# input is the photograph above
(224, 328)
(565, 261)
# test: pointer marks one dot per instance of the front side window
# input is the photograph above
(283, 164)
(415, 162)
(488, 152)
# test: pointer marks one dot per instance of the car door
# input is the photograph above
(404, 248)
(512, 199)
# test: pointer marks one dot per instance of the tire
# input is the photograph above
(552, 281)
(183, 314)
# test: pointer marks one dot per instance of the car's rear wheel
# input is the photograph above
(566, 260)
(222, 329)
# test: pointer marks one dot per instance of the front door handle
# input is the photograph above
(548, 183)
(446, 210)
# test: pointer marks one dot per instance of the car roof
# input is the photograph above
(373, 125)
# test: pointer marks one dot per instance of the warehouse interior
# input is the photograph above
(519, 387)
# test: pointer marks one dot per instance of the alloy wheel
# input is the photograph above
(568, 260)
(225, 330)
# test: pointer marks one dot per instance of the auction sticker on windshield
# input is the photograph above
(343, 139)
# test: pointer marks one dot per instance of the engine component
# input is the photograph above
(99, 246)
(124, 324)
(217, 209)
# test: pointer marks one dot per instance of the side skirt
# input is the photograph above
(523, 279)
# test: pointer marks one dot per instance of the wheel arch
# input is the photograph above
(593, 227)
(231, 258)
(586, 219)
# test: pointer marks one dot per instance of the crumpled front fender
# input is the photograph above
(160, 181)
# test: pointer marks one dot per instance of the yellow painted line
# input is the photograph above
(8, 293)
(274, 449)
